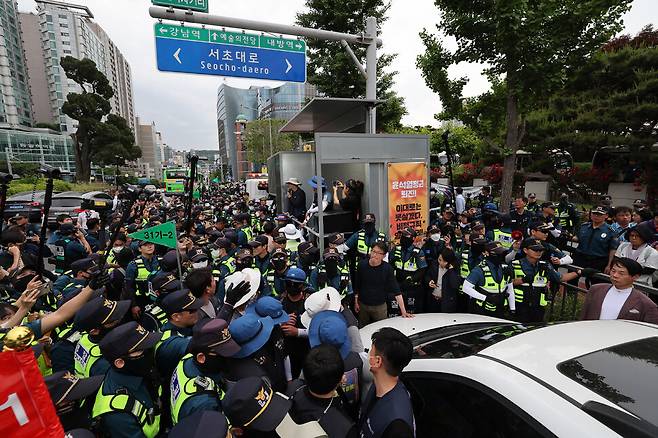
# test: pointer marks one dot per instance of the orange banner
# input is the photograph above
(407, 197)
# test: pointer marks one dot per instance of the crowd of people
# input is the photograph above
(246, 326)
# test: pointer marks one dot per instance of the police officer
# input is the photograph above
(520, 217)
(117, 273)
(128, 402)
(70, 246)
(138, 273)
(308, 256)
(244, 232)
(531, 282)
(387, 409)
(597, 242)
(69, 394)
(275, 280)
(82, 271)
(362, 240)
(409, 263)
(94, 320)
(258, 219)
(224, 264)
(565, 212)
(532, 206)
(334, 272)
(551, 254)
(434, 244)
(261, 256)
(197, 382)
(489, 284)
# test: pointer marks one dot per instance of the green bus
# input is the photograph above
(174, 180)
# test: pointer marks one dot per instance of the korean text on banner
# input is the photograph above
(26, 410)
(407, 197)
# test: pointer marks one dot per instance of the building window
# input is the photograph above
(64, 25)
(49, 18)
(68, 52)
(65, 17)
(66, 43)
(64, 34)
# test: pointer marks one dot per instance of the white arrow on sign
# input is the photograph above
(289, 66)
(214, 36)
(163, 30)
(176, 56)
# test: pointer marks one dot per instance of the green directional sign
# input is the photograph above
(291, 45)
(164, 235)
(181, 32)
(226, 37)
(195, 5)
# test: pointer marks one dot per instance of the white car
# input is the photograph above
(475, 376)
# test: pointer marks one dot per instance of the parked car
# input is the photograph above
(475, 376)
(28, 203)
(72, 203)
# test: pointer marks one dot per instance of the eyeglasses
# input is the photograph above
(378, 253)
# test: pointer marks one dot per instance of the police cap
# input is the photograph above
(127, 338)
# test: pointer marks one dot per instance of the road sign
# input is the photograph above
(164, 235)
(195, 5)
(187, 49)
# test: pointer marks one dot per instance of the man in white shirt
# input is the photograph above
(620, 300)
(460, 201)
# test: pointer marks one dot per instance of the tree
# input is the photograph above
(94, 138)
(612, 100)
(257, 140)
(529, 49)
(331, 68)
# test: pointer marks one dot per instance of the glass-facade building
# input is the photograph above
(34, 145)
(15, 100)
(250, 104)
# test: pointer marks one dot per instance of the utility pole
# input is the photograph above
(369, 39)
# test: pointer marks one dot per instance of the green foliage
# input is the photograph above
(35, 184)
(463, 141)
(331, 68)
(257, 140)
(529, 49)
(22, 169)
(53, 126)
(95, 140)
(612, 100)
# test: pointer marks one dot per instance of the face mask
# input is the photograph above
(199, 265)
(294, 289)
(279, 264)
(117, 249)
(244, 263)
(212, 365)
(308, 260)
(214, 253)
(435, 237)
(369, 227)
(141, 366)
(406, 242)
(236, 212)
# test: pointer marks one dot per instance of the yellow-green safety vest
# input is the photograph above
(504, 238)
(117, 403)
(344, 272)
(539, 282)
(86, 354)
(141, 280)
(362, 247)
(248, 232)
(183, 387)
(491, 287)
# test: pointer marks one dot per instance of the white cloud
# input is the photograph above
(183, 106)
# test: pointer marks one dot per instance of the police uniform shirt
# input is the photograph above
(122, 424)
(370, 239)
(476, 277)
(73, 288)
(407, 254)
(172, 349)
(519, 222)
(202, 401)
(334, 282)
(262, 264)
(131, 271)
(596, 242)
(74, 251)
(61, 282)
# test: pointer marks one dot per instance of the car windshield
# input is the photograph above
(454, 346)
(626, 375)
(67, 202)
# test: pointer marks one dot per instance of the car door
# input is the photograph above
(476, 397)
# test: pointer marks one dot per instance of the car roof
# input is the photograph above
(425, 321)
(68, 195)
(25, 196)
(94, 194)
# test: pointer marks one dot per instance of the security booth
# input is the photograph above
(394, 169)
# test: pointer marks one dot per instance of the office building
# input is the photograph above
(68, 30)
(245, 105)
(149, 141)
(15, 102)
(37, 145)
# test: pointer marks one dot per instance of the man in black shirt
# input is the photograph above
(520, 217)
(296, 199)
(315, 398)
(374, 281)
(386, 411)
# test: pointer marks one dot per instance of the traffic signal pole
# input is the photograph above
(368, 38)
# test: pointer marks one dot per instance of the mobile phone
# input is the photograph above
(45, 288)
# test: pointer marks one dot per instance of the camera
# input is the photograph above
(6, 178)
(50, 171)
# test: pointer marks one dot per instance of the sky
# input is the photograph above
(183, 106)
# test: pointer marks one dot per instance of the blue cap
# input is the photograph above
(329, 327)
(314, 182)
(269, 306)
(251, 333)
(296, 275)
(490, 206)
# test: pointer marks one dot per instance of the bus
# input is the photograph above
(175, 179)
